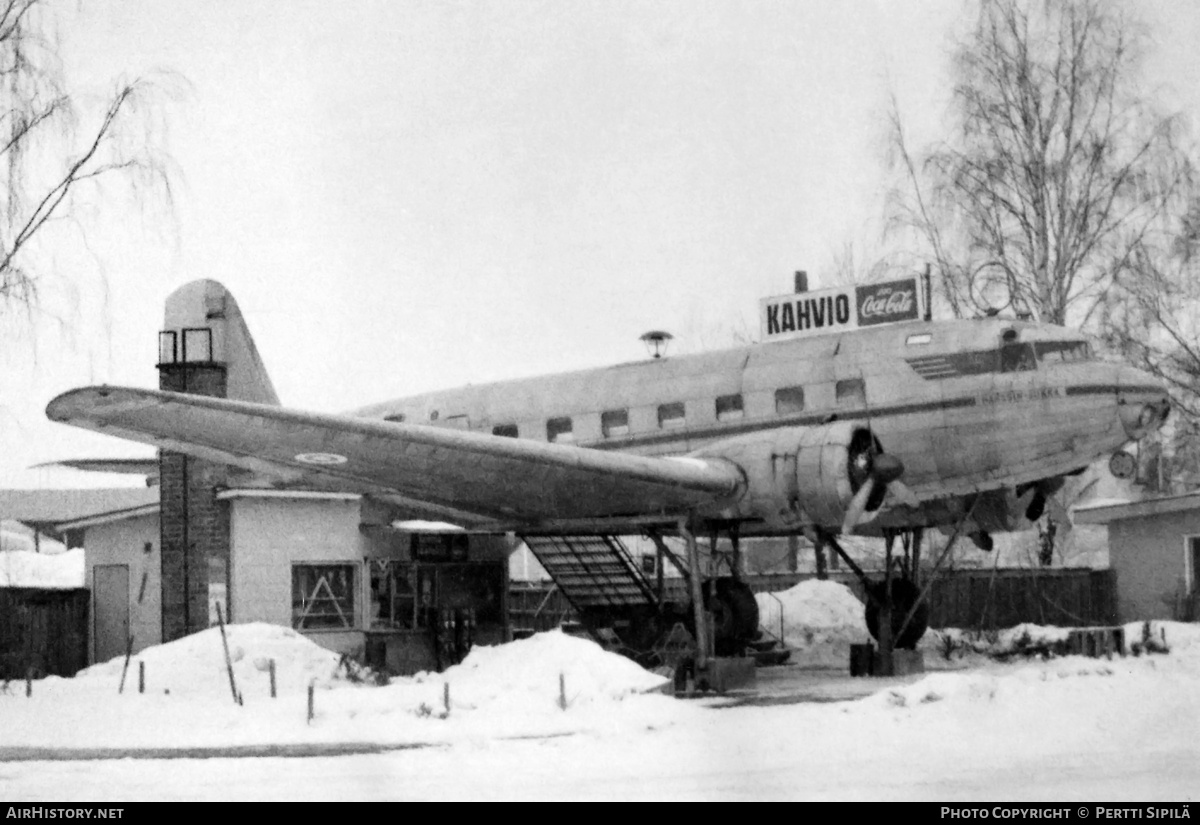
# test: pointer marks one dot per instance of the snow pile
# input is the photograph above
(525, 675)
(26, 569)
(1023, 639)
(821, 619)
(196, 664)
(1180, 638)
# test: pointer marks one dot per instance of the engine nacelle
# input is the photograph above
(798, 475)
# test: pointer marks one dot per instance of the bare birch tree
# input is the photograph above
(60, 151)
(1058, 166)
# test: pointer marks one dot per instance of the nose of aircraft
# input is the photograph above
(1142, 402)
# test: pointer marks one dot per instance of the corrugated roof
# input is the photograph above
(49, 507)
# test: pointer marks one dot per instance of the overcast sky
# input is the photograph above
(412, 195)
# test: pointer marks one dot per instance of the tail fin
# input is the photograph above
(207, 305)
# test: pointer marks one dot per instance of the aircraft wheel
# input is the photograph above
(735, 613)
(904, 596)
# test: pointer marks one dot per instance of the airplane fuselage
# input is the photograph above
(968, 406)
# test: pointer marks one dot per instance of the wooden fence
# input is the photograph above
(42, 630)
(972, 599)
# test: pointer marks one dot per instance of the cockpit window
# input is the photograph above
(1017, 357)
(1057, 352)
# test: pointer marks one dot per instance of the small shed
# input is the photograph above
(1154, 549)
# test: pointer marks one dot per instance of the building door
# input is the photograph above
(110, 607)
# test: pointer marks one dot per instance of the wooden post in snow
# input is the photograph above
(228, 661)
(128, 655)
(271, 668)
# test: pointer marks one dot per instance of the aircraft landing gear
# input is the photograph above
(905, 596)
(897, 612)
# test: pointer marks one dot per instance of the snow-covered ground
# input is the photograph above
(556, 717)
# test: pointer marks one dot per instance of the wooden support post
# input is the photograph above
(666, 553)
(312, 686)
(918, 534)
(886, 641)
(446, 697)
(141, 677)
(28, 682)
(659, 561)
(735, 543)
(912, 611)
(562, 691)
(271, 670)
(702, 638)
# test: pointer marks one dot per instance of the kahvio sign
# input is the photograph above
(840, 309)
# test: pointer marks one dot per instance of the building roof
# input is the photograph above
(44, 509)
(1106, 513)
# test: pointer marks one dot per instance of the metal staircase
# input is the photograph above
(592, 571)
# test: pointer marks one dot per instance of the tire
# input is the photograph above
(904, 596)
(735, 614)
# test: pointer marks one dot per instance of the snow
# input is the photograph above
(557, 717)
(821, 619)
(23, 568)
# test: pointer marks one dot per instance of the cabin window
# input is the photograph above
(1017, 357)
(670, 415)
(789, 400)
(396, 418)
(559, 429)
(505, 430)
(919, 339)
(322, 596)
(729, 408)
(851, 391)
(614, 423)
(1056, 352)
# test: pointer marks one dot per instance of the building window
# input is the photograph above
(729, 408)
(559, 429)
(851, 392)
(393, 595)
(505, 430)
(789, 400)
(671, 415)
(614, 423)
(323, 596)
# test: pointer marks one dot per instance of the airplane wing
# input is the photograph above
(478, 480)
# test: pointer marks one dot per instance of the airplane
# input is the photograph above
(836, 424)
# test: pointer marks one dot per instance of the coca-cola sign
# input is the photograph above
(887, 302)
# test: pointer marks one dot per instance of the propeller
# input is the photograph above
(870, 467)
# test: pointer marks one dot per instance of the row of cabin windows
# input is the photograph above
(615, 423)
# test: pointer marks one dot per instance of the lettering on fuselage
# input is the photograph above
(1017, 396)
